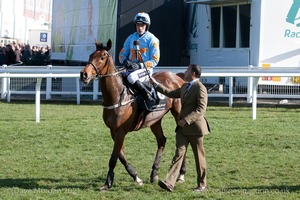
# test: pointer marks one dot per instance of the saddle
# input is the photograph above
(161, 103)
(143, 108)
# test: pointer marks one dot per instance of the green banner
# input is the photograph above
(78, 24)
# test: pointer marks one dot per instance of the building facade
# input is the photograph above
(20, 18)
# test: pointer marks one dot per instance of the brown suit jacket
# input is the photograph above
(194, 104)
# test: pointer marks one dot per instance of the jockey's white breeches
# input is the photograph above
(140, 75)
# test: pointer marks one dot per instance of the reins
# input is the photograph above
(99, 75)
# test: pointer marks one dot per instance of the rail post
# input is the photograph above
(48, 84)
(4, 84)
(95, 89)
(78, 91)
(230, 91)
(250, 87)
(38, 99)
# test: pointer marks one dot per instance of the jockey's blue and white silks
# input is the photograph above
(149, 49)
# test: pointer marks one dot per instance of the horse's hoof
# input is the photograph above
(180, 178)
(139, 181)
(154, 179)
(104, 188)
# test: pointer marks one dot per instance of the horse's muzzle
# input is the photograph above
(83, 76)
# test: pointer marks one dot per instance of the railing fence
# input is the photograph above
(72, 88)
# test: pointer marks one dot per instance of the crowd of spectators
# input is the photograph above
(23, 54)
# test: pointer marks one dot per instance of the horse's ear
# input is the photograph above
(98, 46)
(102, 46)
(108, 45)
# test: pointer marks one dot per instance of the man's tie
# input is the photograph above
(186, 89)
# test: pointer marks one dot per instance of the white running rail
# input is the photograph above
(252, 73)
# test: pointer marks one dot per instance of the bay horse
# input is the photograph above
(121, 112)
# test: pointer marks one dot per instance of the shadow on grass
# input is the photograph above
(44, 183)
(268, 189)
(61, 185)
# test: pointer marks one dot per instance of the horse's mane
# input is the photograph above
(181, 75)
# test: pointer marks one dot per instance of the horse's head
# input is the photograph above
(98, 63)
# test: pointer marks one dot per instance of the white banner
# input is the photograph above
(280, 39)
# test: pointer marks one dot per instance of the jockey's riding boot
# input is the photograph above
(141, 88)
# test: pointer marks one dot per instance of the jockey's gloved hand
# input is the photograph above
(127, 64)
(135, 66)
(141, 65)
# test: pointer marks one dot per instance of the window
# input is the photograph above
(230, 26)
(244, 25)
(215, 26)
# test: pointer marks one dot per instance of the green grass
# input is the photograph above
(65, 156)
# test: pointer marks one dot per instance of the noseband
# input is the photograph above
(98, 73)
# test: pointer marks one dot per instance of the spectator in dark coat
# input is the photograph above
(3, 59)
(10, 55)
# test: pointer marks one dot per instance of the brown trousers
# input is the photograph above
(182, 142)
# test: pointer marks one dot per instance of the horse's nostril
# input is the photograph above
(83, 75)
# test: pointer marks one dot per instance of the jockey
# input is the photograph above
(140, 53)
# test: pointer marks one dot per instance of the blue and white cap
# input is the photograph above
(143, 18)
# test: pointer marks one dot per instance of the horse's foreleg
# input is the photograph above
(118, 144)
(161, 141)
(129, 168)
(110, 175)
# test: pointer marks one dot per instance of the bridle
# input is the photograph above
(99, 73)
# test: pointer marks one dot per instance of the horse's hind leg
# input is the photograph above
(161, 141)
(182, 171)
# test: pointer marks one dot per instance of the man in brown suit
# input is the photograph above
(191, 127)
